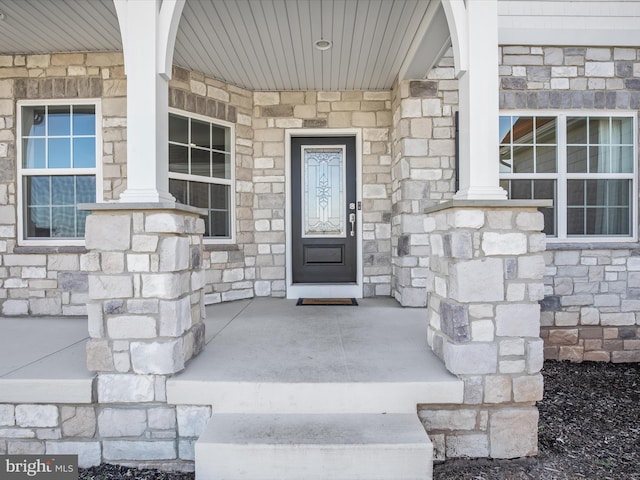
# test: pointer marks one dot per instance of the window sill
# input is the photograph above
(220, 247)
(26, 249)
(592, 245)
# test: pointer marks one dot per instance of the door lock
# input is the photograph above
(352, 221)
(352, 206)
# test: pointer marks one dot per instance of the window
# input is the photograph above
(201, 170)
(58, 148)
(585, 164)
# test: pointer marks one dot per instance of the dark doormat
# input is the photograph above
(327, 301)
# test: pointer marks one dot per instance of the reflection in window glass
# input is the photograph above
(505, 159)
(209, 196)
(59, 121)
(535, 190)
(522, 131)
(178, 158)
(34, 153)
(546, 159)
(200, 162)
(546, 131)
(200, 168)
(523, 159)
(84, 122)
(84, 152)
(598, 171)
(60, 139)
(59, 152)
(34, 121)
(221, 165)
(576, 131)
(622, 131)
(178, 129)
(200, 134)
(51, 205)
(533, 149)
(577, 159)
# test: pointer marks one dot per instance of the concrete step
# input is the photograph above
(315, 397)
(314, 447)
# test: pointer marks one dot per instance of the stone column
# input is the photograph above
(484, 315)
(146, 291)
(422, 173)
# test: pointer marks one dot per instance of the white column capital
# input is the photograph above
(456, 14)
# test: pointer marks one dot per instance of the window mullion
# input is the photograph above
(46, 136)
(75, 201)
(561, 184)
(189, 149)
(50, 207)
(634, 181)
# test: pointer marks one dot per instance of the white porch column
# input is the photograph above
(474, 32)
(148, 31)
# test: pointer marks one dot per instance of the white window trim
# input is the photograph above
(215, 180)
(97, 171)
(562, 176)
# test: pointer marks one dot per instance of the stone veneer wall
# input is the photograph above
(276, 111)
(423, 174)
(146, 288)
(591, 309)
(159, 436)
(47, 280)
(486, 268)
(255, 264)
(230, 269)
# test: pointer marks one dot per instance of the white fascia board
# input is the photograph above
(569, 37)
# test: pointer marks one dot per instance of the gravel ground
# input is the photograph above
(589, 429)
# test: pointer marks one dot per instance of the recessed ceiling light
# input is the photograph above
(322, 44)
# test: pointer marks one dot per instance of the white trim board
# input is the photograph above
(351, 290)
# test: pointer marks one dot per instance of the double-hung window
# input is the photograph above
(201, 170)
(58, 149)
(586, 164)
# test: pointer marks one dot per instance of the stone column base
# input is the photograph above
(146, 287)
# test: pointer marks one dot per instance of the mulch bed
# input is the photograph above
(589, 429)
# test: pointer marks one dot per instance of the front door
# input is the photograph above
(324, 210)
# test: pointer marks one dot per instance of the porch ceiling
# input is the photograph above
(259, 45)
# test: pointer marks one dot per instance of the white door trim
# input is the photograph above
(351, 290)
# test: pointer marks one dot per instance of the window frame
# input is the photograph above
(96, 171)
(562, 176)
(231, 182)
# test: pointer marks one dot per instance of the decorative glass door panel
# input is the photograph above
(324, 195)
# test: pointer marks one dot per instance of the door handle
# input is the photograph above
(352, 221)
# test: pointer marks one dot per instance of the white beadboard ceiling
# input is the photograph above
(268, 44)
(256, 44)
(39, 26)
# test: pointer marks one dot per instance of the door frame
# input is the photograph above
(338, 290)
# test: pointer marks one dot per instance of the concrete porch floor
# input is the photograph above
(270, 355)
(43, 360)
(251, 345)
